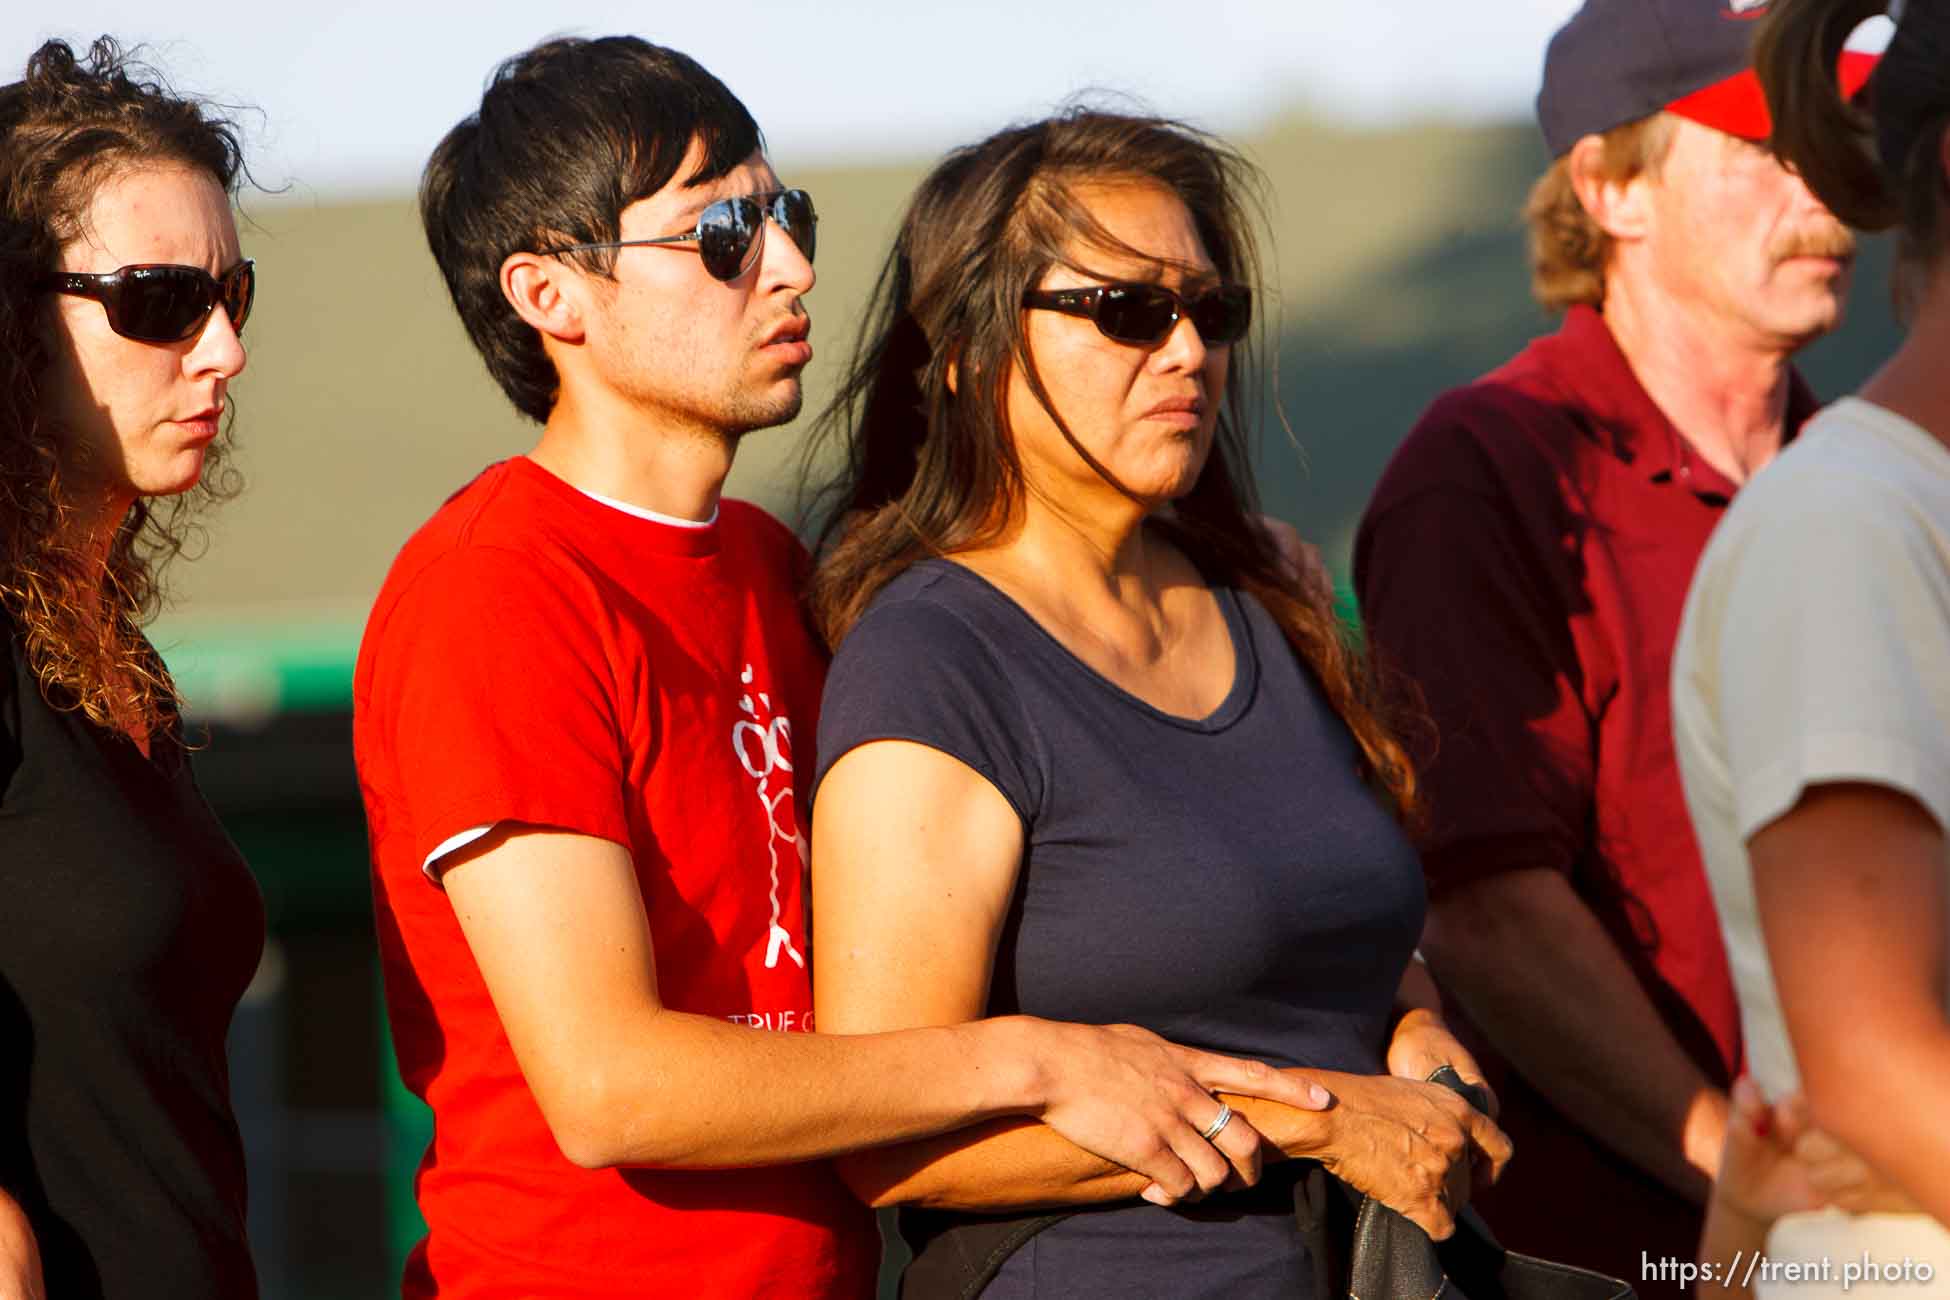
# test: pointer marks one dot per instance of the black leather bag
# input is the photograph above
(1390, 1258)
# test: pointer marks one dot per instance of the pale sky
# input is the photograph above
(353, 95)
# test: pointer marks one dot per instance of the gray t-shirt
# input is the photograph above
(1816, 649)
(1228, 881)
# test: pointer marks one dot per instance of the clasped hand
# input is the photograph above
(1776, 1162)
(1415, 1146)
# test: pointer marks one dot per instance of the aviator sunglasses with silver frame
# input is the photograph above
(731, 232)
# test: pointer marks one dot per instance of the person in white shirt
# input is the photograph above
(1811, 693)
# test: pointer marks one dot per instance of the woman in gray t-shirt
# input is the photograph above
(1089, 749)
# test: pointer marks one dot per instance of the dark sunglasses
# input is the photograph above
(1146, 314)
(162, 303)
(730, 232)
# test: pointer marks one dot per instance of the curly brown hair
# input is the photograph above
(68, 126)
(931, 469)
(1568, 250)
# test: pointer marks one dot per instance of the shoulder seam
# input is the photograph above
(994, 661)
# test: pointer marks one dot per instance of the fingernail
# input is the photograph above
(1319, 1095)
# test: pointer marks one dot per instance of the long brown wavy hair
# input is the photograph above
(930, 469)
(1877, 168)
(66, 127)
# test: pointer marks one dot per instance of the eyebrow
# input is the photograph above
(694, 209)
(691, 210)
(1192, 277)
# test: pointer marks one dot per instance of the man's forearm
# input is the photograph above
(1008, 1164)
(1531, 964)
(693, 1092)
(757, 1097)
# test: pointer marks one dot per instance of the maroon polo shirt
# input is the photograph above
(1525, 561)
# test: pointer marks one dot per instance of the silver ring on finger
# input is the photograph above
(1218, 1124)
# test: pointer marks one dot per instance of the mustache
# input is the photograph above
(1828, 240)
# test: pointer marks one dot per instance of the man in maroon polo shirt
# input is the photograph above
(1524, 562)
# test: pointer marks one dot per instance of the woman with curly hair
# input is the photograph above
(131, 923)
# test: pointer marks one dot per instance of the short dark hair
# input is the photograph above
(568, 135)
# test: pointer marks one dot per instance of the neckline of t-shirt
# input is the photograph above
(1245, 661)
(1900, 427)
(664, 532)
(164, 761)
(641, 512)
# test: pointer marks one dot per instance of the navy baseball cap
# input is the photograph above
(1617, 61)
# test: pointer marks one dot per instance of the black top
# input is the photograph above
(1227, 881)
(129, 926)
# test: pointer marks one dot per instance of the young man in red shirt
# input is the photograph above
(582, 715)
(1525, 559)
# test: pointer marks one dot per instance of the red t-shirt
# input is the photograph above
(542, 657)
(1525, 561)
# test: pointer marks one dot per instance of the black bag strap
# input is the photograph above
(966, 1252)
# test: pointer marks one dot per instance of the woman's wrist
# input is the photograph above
(1416, 1016)
(1011, 1069)
(1298, 1134)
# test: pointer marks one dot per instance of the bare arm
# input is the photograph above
(20, 1256)
(1411, 1145)
(1421, 1042)
(556, 923)
(909, 897)
(1851, 893)
(1572, 1018)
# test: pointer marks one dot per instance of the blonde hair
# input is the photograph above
(1568, 250)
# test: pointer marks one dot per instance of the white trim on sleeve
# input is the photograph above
(451, 843)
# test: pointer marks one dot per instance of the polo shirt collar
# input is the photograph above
(1626, 420)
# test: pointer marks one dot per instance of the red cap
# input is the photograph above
(1738, 107)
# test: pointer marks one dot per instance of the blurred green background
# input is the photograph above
(1396, 268)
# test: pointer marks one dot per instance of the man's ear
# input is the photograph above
(1619, 208)
(544, 292)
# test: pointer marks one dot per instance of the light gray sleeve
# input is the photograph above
(1833, 646)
